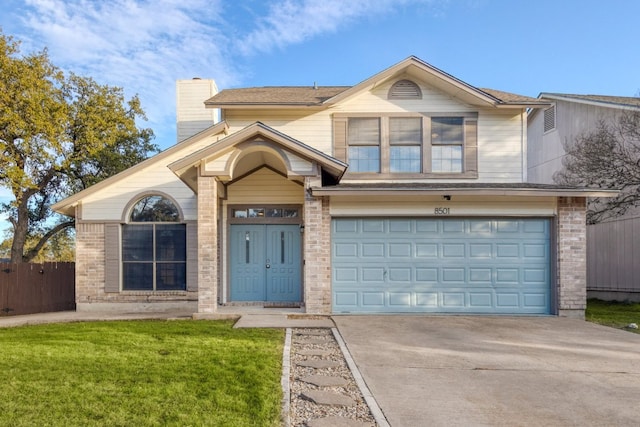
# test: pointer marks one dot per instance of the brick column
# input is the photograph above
(572, 257)
(317, 254)
(207, 244)
(90, 262)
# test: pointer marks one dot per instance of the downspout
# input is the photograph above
(523, 144)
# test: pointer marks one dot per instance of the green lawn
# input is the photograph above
(614, 314)
(140, 373)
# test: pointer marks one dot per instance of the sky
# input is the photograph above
(144, 46)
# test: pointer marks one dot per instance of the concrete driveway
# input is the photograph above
(496, 371)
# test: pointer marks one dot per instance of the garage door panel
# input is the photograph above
(483, 300)
(441, 265)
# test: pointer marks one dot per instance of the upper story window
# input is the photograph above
(408, 146)
(447, 143)
(364, 144)
(404, 89)
(154, 249)
(405, 144)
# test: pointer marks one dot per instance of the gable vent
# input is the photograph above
(405, 89)
(550, 118)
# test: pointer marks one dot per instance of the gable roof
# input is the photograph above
(186, 167)
(623, 102)
(321, 97)
(66, 206)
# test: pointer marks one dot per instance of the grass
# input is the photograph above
(140, 373)
(614, 314)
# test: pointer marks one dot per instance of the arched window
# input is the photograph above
(154, 209)
(154, 249)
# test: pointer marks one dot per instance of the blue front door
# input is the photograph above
(265, 262)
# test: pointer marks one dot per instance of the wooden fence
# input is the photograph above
(36, 288)
(613, 267)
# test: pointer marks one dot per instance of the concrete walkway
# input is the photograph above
(248, 318)
(496, 371)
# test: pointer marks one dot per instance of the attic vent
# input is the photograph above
(550, 118)
(405, 89)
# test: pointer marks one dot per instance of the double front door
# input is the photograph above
(265, 262)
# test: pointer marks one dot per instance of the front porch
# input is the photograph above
(258, 223)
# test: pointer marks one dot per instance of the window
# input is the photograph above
(412, 145)
(447, 140)
(405, 140)
(154, 249)
(364, 144)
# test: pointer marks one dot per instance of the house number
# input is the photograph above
(441, 211)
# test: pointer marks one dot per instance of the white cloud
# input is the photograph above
(143, 46)
(294, 21)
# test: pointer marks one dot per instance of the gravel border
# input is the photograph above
(301, 411)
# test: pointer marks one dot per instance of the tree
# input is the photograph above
(607, 158)
(58, 135)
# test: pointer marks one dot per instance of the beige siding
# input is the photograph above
(433, 101)
(264, 187)
(109, 203)
(218, 164)
(500, 147)
(501, 134)
(192, 116)
(458, 206)
(313, 129)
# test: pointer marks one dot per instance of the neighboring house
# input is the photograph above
(405, 193)
(613, 272)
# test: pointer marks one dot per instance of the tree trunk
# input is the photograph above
(20, 227)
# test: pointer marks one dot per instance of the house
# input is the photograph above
(405, 193)
(613, 272)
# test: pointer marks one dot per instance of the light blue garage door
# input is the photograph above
(451, 265)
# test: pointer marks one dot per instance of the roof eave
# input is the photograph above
(595, 102)
(262, 105)
(526, 105)
(533, 192)
(185, 165)
(372, 81)
(67, 205)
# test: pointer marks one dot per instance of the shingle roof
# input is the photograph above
(309, 95)
(626, 101)
(277, 95)
(508, 98)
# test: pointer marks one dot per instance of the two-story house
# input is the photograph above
(613, 272)
(404, 193)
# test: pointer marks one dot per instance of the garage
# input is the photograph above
(441, 265)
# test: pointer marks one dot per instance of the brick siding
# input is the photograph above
(572, 257)
(90, 273)
(317, 253)
(208, 250)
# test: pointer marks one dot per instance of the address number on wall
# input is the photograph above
(441, 211)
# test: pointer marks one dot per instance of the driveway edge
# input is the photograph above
(284, 381)
(366, 393)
